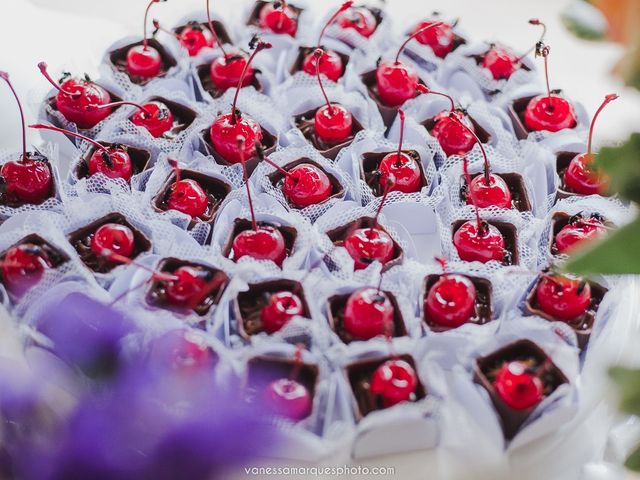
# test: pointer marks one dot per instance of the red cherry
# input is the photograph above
(330, 65)
(479, 244)
(577, 231)
(368, 313)
(23, 266)
(563, 297)
(188, 197)
(187, 286)
(395, 381)
(155, 116)
(279, 19)
(581, 178)
(367, 245)
(440, 39)
(453, 137)
(194, 38)
(263, 243)
(451, 301)
(115, 162)
(333, 123)
(403, 168)
(396, 83)
(224, 132)
(494, 193)
(27, 181)
(549, 113)
(359, 19)
(306, 185)
(289, 399)
(516, 387)
(183, 351)
(227, 69)
(113, 237)
(282, 307)
(501, 62)
(142, 60)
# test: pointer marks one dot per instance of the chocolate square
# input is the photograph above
(156, 294)
(277, 179)
(303, 52)
(583, 325)
(370, 163)
(51, 103)
(215, 189)
(290, 235)
(484, 136)
(486, 368)
(560, 220)
(339, 234)
(515, 183)
(118, 60)
(269, 145)
(254, 16)
(139, 158)
(484, 307)
(183, 117)
(12, 202)
(204, 75)
(305, 122)
(81, 242)
(219, 29)
(247, 306)
(335, 314)
(516, 114)
(509, 233)
(359, 376)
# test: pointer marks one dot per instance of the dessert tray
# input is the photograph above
(368, 235)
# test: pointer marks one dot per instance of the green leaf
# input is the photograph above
(584, 21)
(616, 254)
(623, 166)
(633, 460)
(628, 385)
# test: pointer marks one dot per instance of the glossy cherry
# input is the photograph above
(367, 314)
(142, 60)
(187, 196)
(401, 166)
(517, 387)
(155, 116)
(580, 176)
(451, 301)
(395, 381)
(563, 297)
(113, 237)
(479, 243)
(360, 19)
(306, 185)
(579, 230)
(441, 39)
(194, 37)
(226, 70)
(289, 399)
(183, 351)
(187, 287)
(279, 18)
(74, 97)
(282, 307)
(23, 266)
(451, 134)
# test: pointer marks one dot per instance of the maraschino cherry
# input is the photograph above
(394, 381)
(396, 81)
(332, 122)
(403, 167)
(113, 238)
(360, 19)
(279, 18)
(441, 39)
(580, 176)
(183, 351)
(23, 266)
(142, 60)
(451, 301)
(488, 189)
(154, 116)
(564, 297)
(28, 179)
(330, 62)
(368, 245)
(287, 397)
(113, 161)
(518, 387)
(226, 129)
(282, 307)
(548, 112)
(368, 313)
(578, 230)
(193, 37)
(262, 242)
(478, 241)
(189, 286)
(187, 195)
(74, 97)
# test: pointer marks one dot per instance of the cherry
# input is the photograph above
(187, 195)
(262, 242)
(187, 286)
(306, 185)
(518, 388)
(23, 266)
(451, 301)
(441, 38)
(113, 162)
(563, 297)
(289, 399)
(396, 81)
(451, 134)
(155, 116)
(580, 176)
(226, 129)
(332, 122)
(279, 17)
(183, 351)
(395, 381)
(577, 231)
(368, 313)
(113, 238)
(142, 60)
(359, 19)
(29, 179)
(282, 307)
(226, 70)
(194, 38)
(549, 112)
(404, 168)
(74, 97)
(330, 62)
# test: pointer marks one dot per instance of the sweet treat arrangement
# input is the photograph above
(365, 221)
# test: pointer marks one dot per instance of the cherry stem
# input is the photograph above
(545, 54)
(391, 181)
(467, 177)
(40, 126)
(379, 287)
(402, 119)
(145, 41)
(345, 6)
(176, 168)
(206, 290)
(443, 264)
(157, 26)
(120, 104)
(412, 36)
(277, 167)
(425, 90)
(607, 100)
(318, 54)
(5, 77)
(116, 257)
(260, 45)
(42, 66)
(213, 31)
(297, 362)
(534, 21)
(241, 142)
(487, 166)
